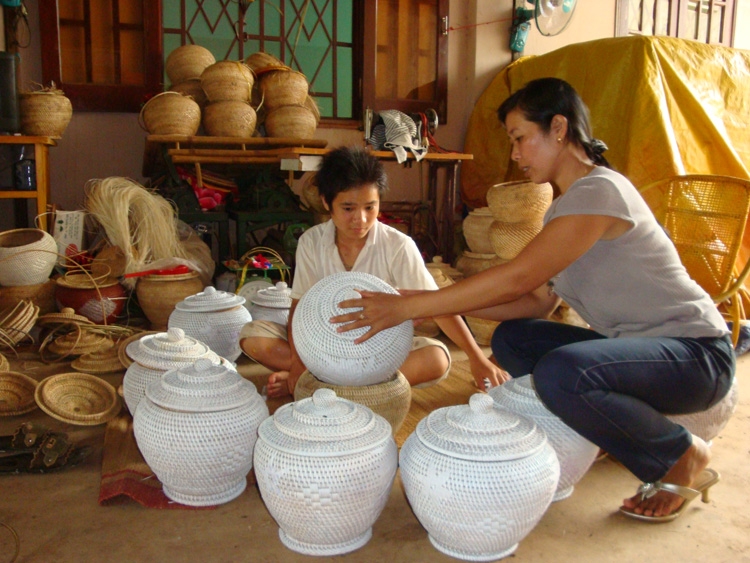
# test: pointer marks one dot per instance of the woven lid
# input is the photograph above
(78, 398)
(519, 395)
(333, 357)
(205, 386)
(66, 316)
(16, 393)
(168, 350)
(122, 346)
(276, 297)
(209, 300)
(99, 362)
(481, 432)
(80, 342)
(324, 425)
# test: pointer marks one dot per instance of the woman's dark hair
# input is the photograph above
(542, 99)
(345, 168)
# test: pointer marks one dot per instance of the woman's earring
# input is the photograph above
(559, 140)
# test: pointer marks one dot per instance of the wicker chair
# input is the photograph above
(705, 217)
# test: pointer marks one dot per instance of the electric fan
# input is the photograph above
(551, 17)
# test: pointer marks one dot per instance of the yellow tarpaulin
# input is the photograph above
(664, 106)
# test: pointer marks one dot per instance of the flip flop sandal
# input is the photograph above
(52, 453)
(26, 437)
(707, 479)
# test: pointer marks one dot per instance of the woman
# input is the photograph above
(350, 182)
(657, 344)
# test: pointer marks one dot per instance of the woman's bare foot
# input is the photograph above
(277, 385)
(684, 472)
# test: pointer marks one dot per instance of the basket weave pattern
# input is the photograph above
(171, 113)
(27, 257)
(229, 118)
(78, 398)
(45, 113)
(228, 80)
(16, 392)
(476, 228)
(519, 202)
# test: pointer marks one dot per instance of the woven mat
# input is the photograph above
(454, 390)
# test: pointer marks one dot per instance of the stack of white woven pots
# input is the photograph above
(325, 467)
(574, 452)
(196, 428)
(478, 478)
(214, 317)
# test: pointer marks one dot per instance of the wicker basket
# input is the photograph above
(260, 60)
(509, 239)
(191, 88)
(298, 122)
(16, 323)
(171, 113)
(229, 119)
(482, 329)
(158, 295)
(311, 195)
(27, 257)
(470, 263)
(283, 88)
(228, 80)
(519, 202)
(45, 113)
(78, 398)
(476, 228)
(187, 62)
(16, 393)
(42, 295)
(390, 399)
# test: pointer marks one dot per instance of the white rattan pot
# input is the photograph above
(707, 424)
(213, 317)
(196, 428)
(325, 467)
(478, 478)
(272, 304)
(574, 452)
(27, 257)
(333, 357)
(155, 354)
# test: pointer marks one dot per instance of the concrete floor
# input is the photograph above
(58, 519)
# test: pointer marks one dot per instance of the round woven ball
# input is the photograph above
(27, 257)
(16, 393)
(297, 122)
(171, 113)
(470, 263)
(191, 88)
(333, 357)
(228, 80)
(46, 113)
(390, 399)
(78, 398)
(476, 227)
(260, 60)
(187, 62)
(509, 239)
(282, 88)
(519, 202)
(229, 118)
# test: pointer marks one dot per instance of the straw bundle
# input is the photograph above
(16, 393)
(187, 62)
(519, 202)
(141, 223)
(191, 88)
(171, 113)
(228, 80)
(509, 239)
(45, 112)
(229, 119)
(283, 87)
(260, 60)
(291, 121)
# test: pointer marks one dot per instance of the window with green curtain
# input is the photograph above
(315, 37)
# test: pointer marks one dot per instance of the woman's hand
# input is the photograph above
(376, 310)
(482, 368)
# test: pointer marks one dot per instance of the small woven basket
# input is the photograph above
(509, 239)
(78, 398)
(283, 87)
(171, 113)
(470, 263)
(519, 202)
(298, 122)
(191, 88)
(390, 399)
(187, 62)
(228, 80)
(260, 60)
(27, 257)
(476, 227)
(16, 393)
(229, 119)
(45, 113)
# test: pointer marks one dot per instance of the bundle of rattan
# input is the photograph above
(16, 393)
(16, 323)
(45, 112)
(99, 362)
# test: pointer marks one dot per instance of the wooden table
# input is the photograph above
(41, 162)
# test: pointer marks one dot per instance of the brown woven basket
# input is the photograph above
(519, 202)
(298, 122)
(229, 119)
(45, 113)
(78, 398)
(42, 295)
(390, 399)
(260, 60)
(509, 239)
(228, 80)
(311, 196)
(470, 263)
(171, 113)
(476, 227)
(158, 295)
(283, 88)
(482, 329)
(191, 88)
(16, 393)
(187, 62)
(16, 323)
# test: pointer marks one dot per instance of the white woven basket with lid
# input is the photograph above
(478, 478)
(325, 467)
(272, 304)
(155, 354)
(574, 452)
(334, 357)
(213, 317)
(196, 428)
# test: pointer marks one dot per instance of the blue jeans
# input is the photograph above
(615, 391)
